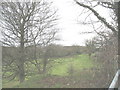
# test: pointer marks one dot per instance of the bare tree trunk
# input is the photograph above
(21, 71)
(37, 64)
(45, 60)
(22, 56)
(44, 64)
(21, 67)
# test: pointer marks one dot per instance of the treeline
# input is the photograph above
(52, 51)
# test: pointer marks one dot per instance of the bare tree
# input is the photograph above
(107, 29)
(91, 48)
(25, 24)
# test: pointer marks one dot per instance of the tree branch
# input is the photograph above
(99, 17)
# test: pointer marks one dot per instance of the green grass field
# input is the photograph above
(57, 74)
(78, 62)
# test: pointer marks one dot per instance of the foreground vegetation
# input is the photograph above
(66, 72)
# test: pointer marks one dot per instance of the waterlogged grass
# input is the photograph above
(60, 69)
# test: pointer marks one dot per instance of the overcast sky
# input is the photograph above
(70, 30)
